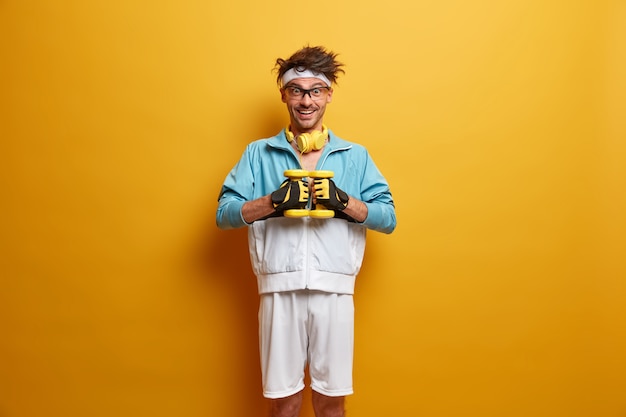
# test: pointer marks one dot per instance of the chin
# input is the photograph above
(307, 124)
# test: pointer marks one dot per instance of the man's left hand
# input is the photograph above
(329, 195)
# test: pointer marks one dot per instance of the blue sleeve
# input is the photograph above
(238, 188)
(375, 193)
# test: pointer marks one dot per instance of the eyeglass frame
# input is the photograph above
(306, 92)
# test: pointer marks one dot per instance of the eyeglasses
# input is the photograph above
(317, 93)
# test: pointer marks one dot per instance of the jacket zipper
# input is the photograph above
(307, 277)
(306, 219)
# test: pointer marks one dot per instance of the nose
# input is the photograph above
(305, 99)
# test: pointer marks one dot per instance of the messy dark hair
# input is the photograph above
(314, 58)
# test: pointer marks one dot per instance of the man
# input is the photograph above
(306, 266)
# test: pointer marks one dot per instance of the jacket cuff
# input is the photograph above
(379, 219)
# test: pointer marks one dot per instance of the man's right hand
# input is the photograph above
(292, 194)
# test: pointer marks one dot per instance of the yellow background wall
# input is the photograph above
(500, 126)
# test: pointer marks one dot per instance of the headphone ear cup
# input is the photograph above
(307, 142)
(304, 142)
(318, 139)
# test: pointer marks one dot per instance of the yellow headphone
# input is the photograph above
(307, 142)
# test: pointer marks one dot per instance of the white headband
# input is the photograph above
(294, 73)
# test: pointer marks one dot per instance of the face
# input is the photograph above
(305, 113)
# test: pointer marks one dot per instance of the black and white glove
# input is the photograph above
(292, 194)
(329, 195)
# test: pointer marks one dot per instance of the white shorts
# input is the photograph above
(297, 328)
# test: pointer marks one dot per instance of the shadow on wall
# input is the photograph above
(222, 262)
(224, 266)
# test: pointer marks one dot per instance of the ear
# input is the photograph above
(329, 97)
(283, 97)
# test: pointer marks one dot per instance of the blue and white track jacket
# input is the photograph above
(304, 253)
